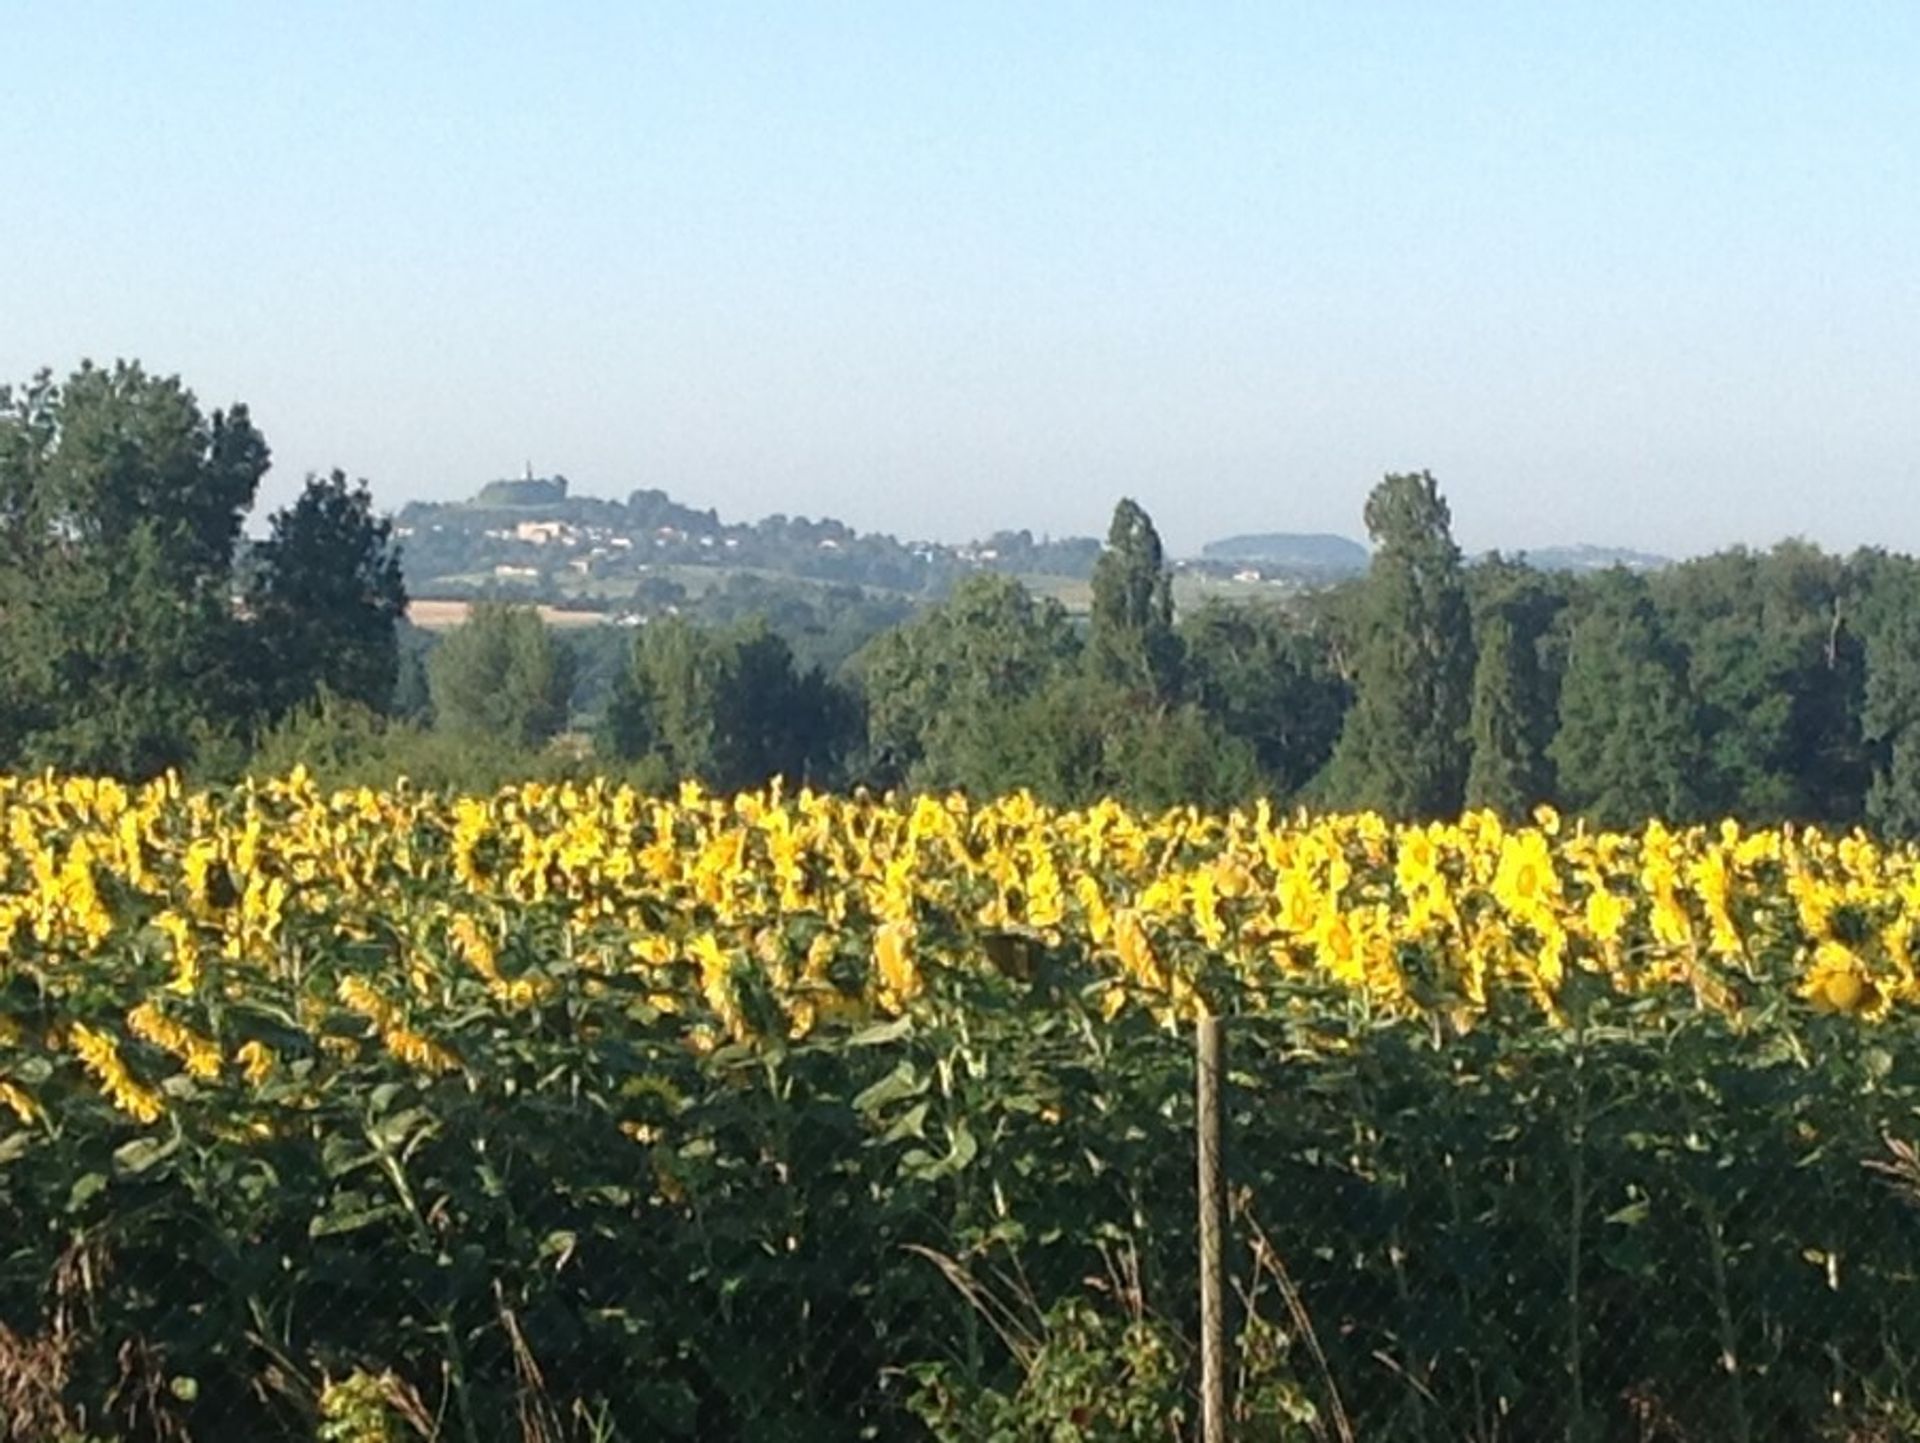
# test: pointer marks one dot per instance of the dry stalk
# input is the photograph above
(538, 1422)
(36, 1368)
(1006, 1324)
(1267, 1260)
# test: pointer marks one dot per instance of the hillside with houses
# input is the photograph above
(539, 538)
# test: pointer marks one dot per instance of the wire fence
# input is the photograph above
(1674, 1233)
(1649, 1231)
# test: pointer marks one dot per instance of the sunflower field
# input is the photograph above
(575, 1113)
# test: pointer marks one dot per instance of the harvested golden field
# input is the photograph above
(444, 615)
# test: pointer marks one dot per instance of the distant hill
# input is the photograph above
(1592, 558)
(537, 538)
(531, 491)
(1316, 554)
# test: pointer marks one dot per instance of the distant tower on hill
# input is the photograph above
(530, 490)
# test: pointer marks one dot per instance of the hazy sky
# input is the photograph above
(1645, 274)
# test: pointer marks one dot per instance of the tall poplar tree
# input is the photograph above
(1130, 636)
(1403, 748)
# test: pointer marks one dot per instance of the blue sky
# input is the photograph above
(1645, 274)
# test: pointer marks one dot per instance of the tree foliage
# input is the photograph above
(130, 639)
(1131, 642)
(1403, 749)
(1265, 677)
(1776, 675)
(1628, 744)
(1890, 713)
(120, 506)
(933, 685)
(1511, 712)
(138, 633)
(501, 675)
(725, 706)
(326, 597)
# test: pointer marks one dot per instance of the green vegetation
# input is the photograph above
(1130, 639)
(1765, 686)
(726, 707)
(531, 491)
(141, 633)
(1403, 749)
(122, 649)
(324, 597)
(501, 676)
(1510, 720)
(563, 1115)
(1627, 745)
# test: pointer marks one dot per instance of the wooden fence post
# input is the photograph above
(1213, 1343)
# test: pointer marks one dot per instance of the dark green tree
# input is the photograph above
(726, 706)
(1264, 676)
(1888, 591)
(1777, 675)
(501, 676)
(1170, 757)
(1075, 741)
(1628, 743)
(1512, 708)
(1131, 642)
(661, 704)
(412, 698)
(823, 624)
(932, 685)
(325, 598)
(1403, 748)
(120, 506)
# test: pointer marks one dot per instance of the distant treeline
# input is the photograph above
(138, 633)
